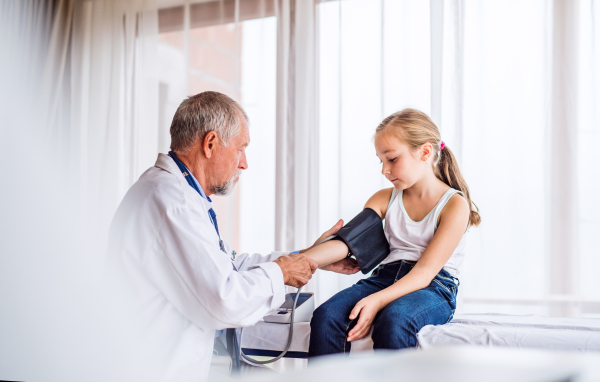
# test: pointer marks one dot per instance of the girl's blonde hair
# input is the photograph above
(416, 128)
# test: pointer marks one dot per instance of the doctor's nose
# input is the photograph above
(243, 165)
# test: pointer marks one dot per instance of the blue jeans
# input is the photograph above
(395, 326)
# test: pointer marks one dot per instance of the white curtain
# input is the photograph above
(76, 130)
(297, 173)
(35, 41)
(115, 104)
(526, 99)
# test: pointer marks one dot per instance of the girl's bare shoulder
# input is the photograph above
(380, 200)
(456, 210)
(457, 203)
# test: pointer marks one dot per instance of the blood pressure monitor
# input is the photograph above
(304, 309)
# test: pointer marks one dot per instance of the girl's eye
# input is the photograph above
(389, 160)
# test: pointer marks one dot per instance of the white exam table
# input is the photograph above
(490, 330)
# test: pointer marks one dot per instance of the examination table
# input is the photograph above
(490, 330)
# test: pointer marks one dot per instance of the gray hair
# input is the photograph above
(199, 114)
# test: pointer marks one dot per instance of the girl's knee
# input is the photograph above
(328, 330)
(331, 317)
(319, 317)
(392, 330)
(324, 316)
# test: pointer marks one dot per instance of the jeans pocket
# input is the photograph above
(448, 286)
(445, 277)
(405, 267)
(441, 284)
(375, 272)
(450, 282)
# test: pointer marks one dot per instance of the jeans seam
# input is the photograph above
(398, 272)
(346, 336)
(449, 291)
(451, 316)
(454, 280)
(402, 263)
(446, 278)
(443, 286)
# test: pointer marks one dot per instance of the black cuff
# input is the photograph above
(365, 239)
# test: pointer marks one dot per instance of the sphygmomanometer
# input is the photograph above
(366, 241)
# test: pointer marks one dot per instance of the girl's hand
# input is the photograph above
(367, 308)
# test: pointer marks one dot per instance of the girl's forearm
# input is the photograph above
(328, 252)
(413, 281)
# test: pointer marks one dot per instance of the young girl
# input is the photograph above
(427, 214)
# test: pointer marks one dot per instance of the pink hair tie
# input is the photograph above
(442, 146)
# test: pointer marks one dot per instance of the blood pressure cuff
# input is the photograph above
(365, 239)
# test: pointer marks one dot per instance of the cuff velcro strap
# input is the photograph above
(365, 239)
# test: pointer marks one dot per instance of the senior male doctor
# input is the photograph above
(174, 274)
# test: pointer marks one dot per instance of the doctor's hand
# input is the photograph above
(347, 266)
(297, 269)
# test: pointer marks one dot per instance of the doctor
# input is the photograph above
(177, 280)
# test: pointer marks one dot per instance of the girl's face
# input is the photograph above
(400, 164)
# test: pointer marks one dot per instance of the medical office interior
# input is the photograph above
(89, 89)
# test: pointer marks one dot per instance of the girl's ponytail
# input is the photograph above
(416, 128)
(446, 169)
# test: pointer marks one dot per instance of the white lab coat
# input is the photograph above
(172, 279)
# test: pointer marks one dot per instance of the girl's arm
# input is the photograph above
(453, 220)
(328, 252)
(379, 202)
(335, 250)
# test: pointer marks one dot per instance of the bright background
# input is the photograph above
(88, 89)
(375, 58)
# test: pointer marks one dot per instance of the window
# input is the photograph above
(213, 52)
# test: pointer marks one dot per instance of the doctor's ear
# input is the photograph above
(211, 141)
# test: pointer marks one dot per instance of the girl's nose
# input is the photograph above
(385, 170)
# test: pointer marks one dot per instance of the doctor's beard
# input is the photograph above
(227, 187)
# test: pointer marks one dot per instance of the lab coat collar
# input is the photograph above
(165, 162)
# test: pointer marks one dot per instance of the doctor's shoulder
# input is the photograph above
(161, 188)
(379, 201)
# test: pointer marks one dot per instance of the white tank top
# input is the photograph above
(408, 239)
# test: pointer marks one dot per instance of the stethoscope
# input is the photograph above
(187, 174)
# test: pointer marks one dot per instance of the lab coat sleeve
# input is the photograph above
(247, 261)
(188, 267)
